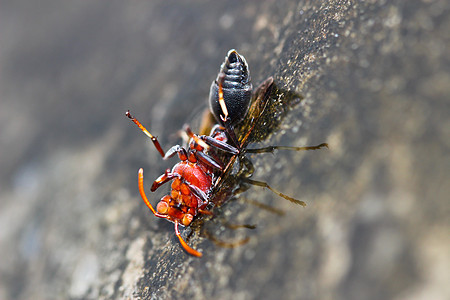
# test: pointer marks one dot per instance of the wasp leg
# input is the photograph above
(209, 161)
(266, 207)
(167, 176)
(246, 168)
(182, 154)
(220, 145)
(206, 212)
(238, 226)
(195, 137)
(224, 244)
(147, 133)
(198, 192)
(185, 245)
(265, 185)
(273, 148)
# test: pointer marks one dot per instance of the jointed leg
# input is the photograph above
(265, 185)
(167, 176)
(195, 137)
(198, 192)
(209, 161)
(225, 244)
(272, 148)
(220, 145)
(182, 154)
(266, 207)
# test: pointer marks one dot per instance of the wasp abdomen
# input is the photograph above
(237, 88)
(236, 71)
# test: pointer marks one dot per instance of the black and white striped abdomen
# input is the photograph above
(237, 88)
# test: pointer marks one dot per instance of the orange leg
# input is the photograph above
(185, 245)
(167, 176)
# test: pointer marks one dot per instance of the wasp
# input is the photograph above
(208, 158)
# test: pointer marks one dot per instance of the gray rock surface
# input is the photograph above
(375, 81)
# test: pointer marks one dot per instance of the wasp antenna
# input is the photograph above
(184, 244)
(147, 133)
(142, 191)
(141, 127)
(198, 140)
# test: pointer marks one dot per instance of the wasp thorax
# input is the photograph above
(236, 86)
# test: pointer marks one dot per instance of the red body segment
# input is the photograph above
(194, 174)
(182, 204)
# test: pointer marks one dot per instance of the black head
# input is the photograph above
(236, 86)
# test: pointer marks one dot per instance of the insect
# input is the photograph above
(208, 158)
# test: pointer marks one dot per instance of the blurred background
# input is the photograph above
(374, 78)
